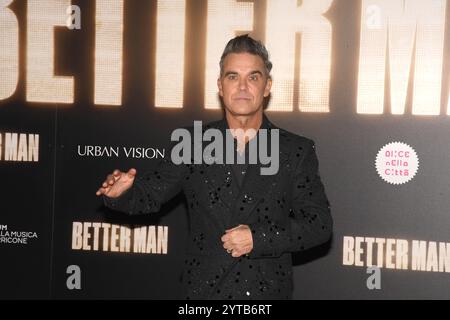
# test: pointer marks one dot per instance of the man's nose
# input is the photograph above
(243, 84)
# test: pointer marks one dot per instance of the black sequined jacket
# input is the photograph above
(287, 212)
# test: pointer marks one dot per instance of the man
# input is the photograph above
(244, 225)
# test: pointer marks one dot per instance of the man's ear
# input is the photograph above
(219, 85)
(268, 87)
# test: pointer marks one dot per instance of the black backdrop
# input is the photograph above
(47, 196)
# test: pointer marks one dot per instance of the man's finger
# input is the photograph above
(231, 243)
(111, 179)
(236, 253)
(229, 230)
(116, 176)
(101, 191)
(132, 172)
(228, 245)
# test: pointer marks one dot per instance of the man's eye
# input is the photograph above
(232, 77)
(254, 77)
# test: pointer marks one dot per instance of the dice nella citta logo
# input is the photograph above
(397, 163)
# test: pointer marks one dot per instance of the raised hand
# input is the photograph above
(117, 183)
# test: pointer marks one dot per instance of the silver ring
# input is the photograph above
(229, 250)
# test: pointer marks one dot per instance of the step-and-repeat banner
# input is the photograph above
(90, 86)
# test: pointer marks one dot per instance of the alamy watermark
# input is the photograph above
(74, 17)
(374, 281)
(259, 142)
(73, 281)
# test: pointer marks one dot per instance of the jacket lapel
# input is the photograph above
(223, 183)
(256, 187)
(242, 200)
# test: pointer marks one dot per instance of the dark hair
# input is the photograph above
(247, 44)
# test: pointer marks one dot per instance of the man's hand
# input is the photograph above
(238, 241)
(117, 183)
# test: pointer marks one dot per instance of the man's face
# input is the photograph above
(243, 84)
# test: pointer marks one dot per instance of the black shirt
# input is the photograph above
(239, 170)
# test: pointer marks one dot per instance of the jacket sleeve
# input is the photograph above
(151, 190)
(309, 223)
